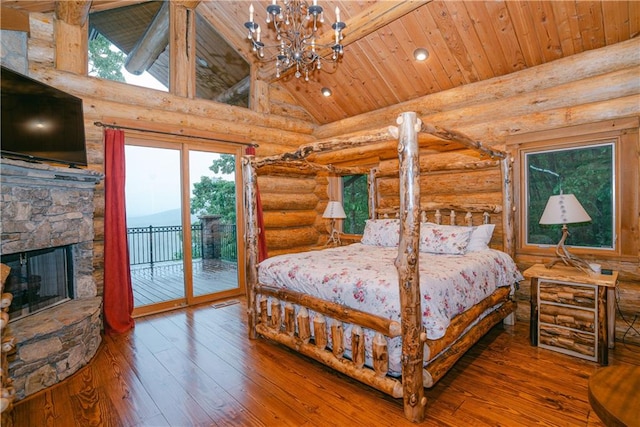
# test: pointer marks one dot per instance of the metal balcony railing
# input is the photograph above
(154, 244)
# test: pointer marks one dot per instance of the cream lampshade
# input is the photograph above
(333, 211)
(565, 209)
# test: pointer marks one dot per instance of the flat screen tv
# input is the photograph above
(40, 122)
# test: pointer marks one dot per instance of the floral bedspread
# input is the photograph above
(365, 277)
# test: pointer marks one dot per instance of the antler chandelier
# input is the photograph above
(296, 26)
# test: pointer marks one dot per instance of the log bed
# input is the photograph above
(272, 310)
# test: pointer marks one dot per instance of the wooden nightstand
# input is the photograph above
(572, 312)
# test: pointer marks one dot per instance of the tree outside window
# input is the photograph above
(355, 200)
(588, 173)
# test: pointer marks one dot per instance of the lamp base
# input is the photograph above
(563, 255)
(334, 237)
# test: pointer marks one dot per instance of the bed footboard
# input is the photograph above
(283, 316)
(293, 330)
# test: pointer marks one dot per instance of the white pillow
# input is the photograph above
(444, 239)
(381, 232)
(480, 237)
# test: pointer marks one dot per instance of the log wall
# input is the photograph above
(109, 101)
(590, 87)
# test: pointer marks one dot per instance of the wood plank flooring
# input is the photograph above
(165, 281)
(196, 367)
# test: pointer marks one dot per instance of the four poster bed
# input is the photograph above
(398, 309)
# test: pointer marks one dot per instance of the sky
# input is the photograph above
(153, 174)
(153, 177)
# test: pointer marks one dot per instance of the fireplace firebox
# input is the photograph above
(39, 279)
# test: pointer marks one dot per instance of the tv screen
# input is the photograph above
(40, 122)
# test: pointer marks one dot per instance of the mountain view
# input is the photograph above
(170, 217)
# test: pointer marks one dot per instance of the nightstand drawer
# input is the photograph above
(574, 295)
(569, 317)
(574, 342)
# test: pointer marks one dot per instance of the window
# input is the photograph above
(588, 173)
(355, 200)
(598, 163)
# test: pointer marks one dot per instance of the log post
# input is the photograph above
(320, 331)
(304, 328)
(289, 319)
(250, 241)
(407, 266)
(508, 213)
(373, 194)
(380, 355)
(337, 336)
(264, 314)
(469, 219)
(275, 314)
(357, 346)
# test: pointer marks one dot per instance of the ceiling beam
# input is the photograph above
(217, 14)
(73, 12)
(154, 40)
(358, 27)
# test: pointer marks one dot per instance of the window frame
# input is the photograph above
(335, 191)
(525, 153)
(624, 135)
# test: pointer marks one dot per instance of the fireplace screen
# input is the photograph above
(38, 279)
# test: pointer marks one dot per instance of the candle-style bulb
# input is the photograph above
(251, 12)
(337, 14)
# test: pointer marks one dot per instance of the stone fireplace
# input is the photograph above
(46, 207)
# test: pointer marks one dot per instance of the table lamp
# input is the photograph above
(565, 209)
(334, 211)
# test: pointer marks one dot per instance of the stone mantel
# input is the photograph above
(45, 206)
(18, 171)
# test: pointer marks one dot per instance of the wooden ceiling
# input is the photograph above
(468, 41)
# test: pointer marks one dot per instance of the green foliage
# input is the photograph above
(215, 196)
(226, 164)
(355, 200)
(586, 172)
(104, 62)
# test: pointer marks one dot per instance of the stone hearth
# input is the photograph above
(44, 206)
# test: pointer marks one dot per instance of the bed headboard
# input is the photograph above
(469, 215)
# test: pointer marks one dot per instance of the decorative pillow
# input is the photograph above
(480, 237)
(381, 232)
(444, 239)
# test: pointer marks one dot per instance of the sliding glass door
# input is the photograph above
(181, 222)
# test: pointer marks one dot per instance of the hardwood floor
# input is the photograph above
(196, 367)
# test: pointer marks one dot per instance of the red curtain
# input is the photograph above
(262, 240)
(118, 294)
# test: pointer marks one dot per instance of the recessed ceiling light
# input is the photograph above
(326, 91)
(421, 54)
(201, 62)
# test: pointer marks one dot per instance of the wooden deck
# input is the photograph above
(165, 281)
(195, 366)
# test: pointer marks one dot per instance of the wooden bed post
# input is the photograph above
(251, 241)
(508, 212)
(407, 264)
(373, 194)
